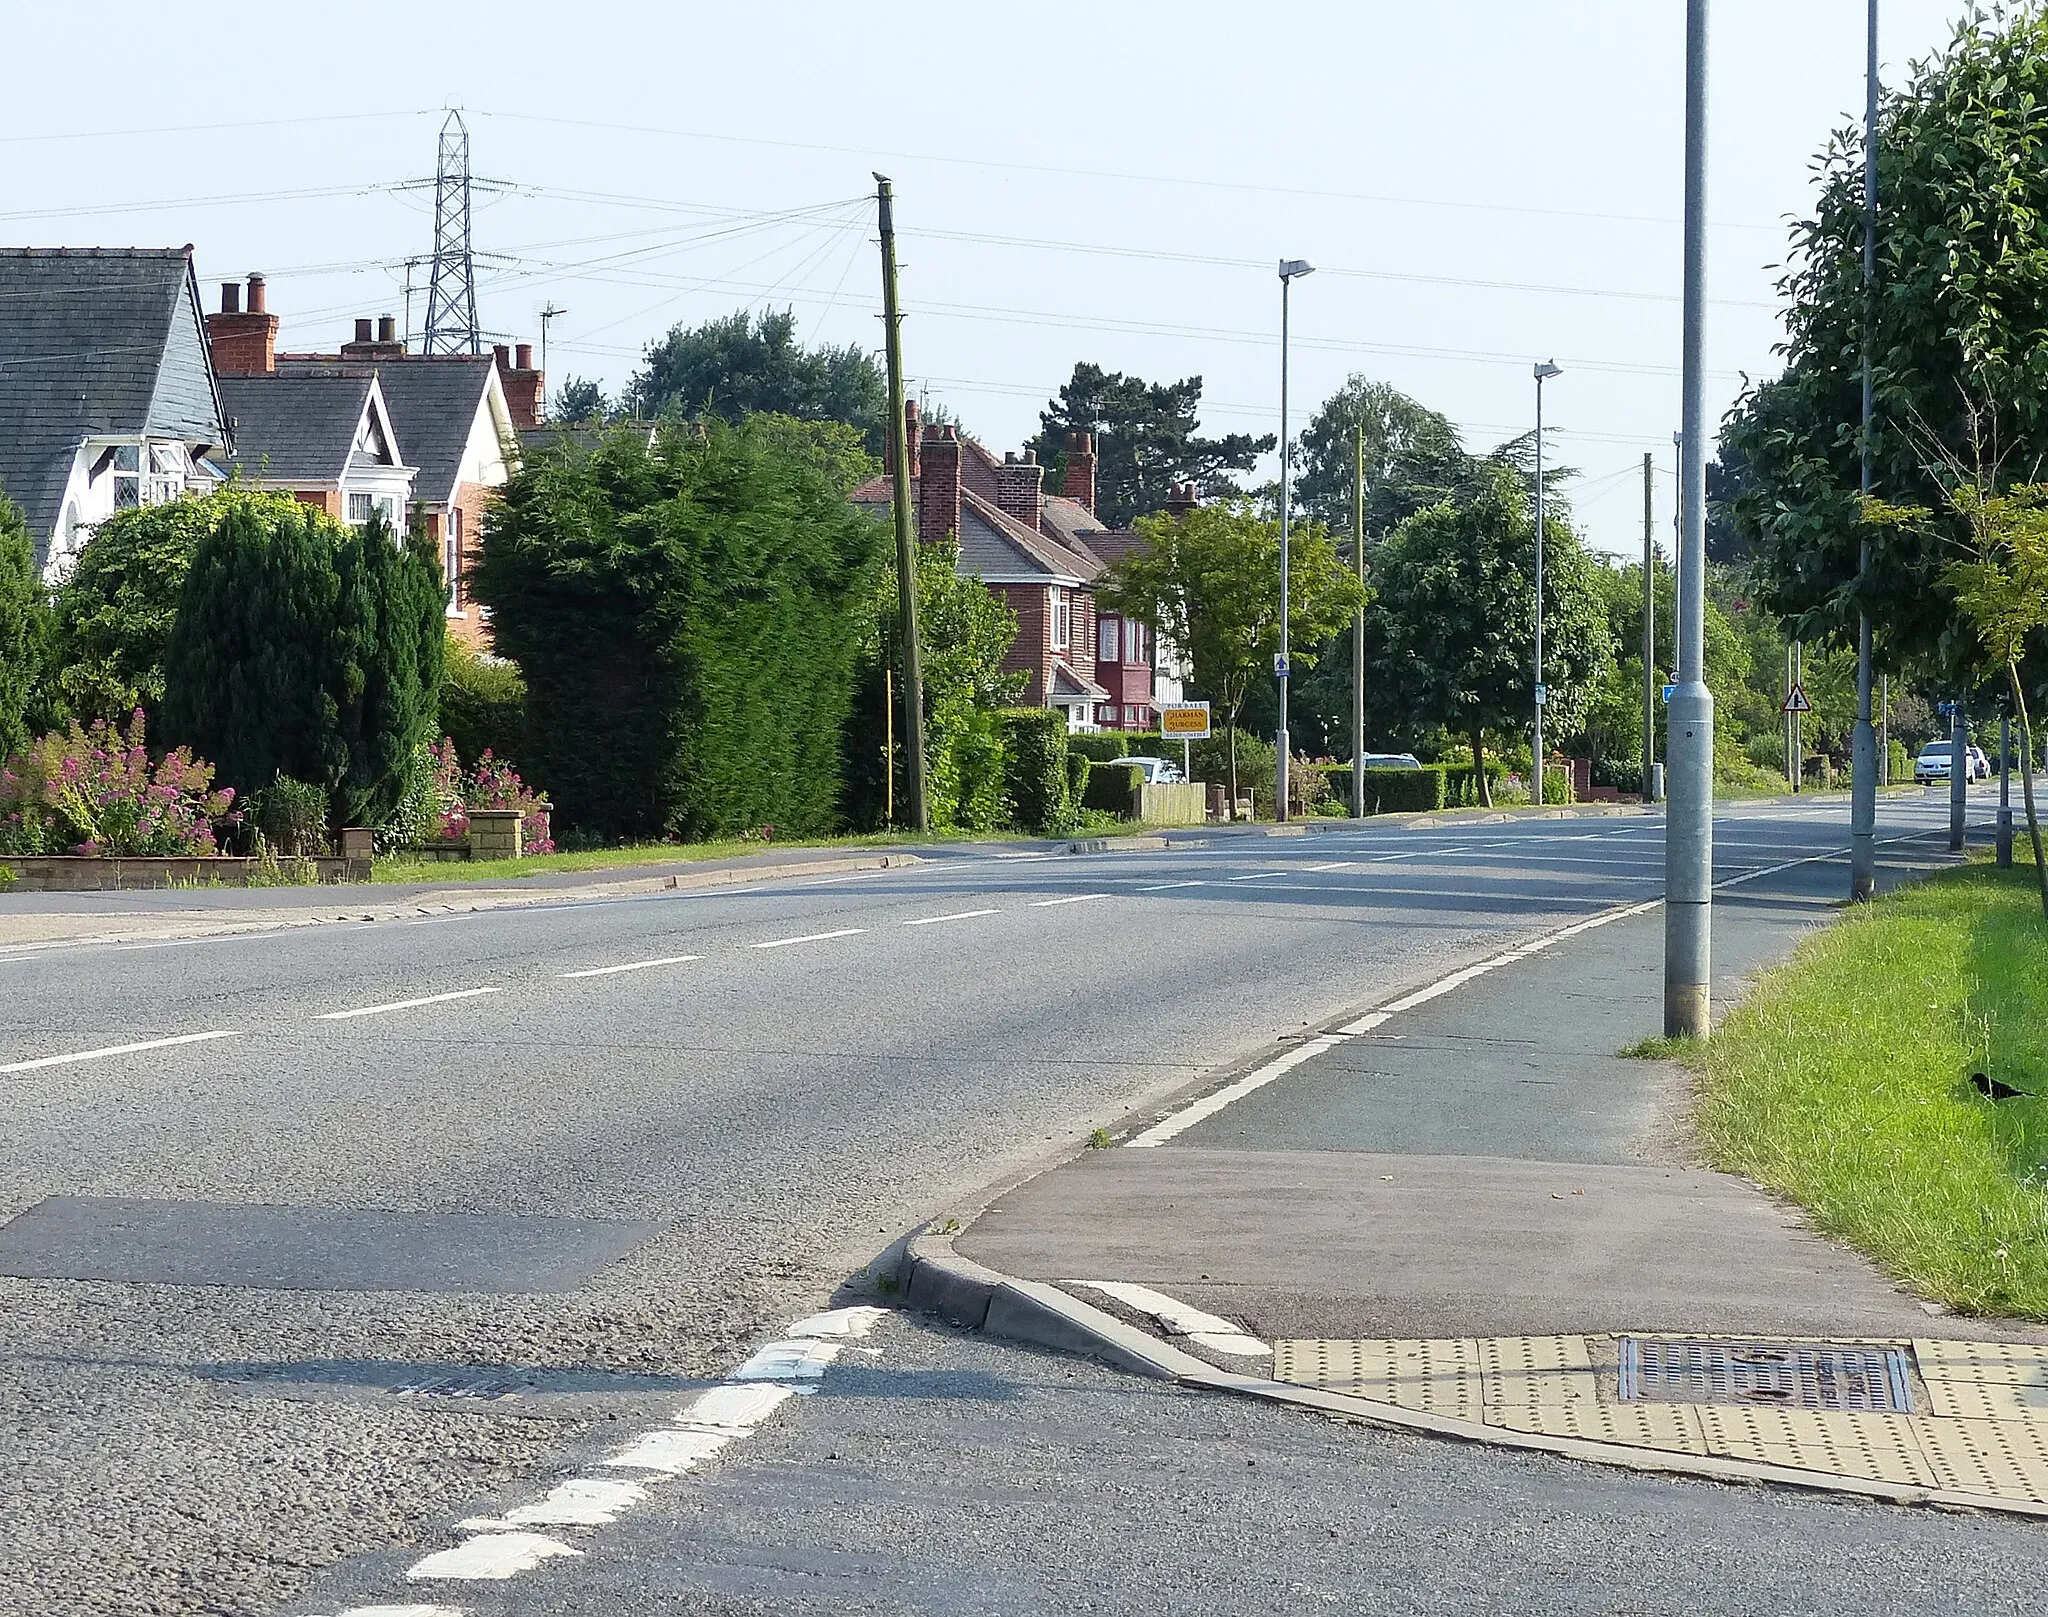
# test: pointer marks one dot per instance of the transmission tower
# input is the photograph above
(451, 294)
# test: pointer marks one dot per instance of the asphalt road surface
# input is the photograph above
(264, 1288)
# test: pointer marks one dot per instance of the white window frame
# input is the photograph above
(369, 507)
(1060, 608)
(1106, 639)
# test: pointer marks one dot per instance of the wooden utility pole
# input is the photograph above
(1358, 630)
(1649, 623)
(906, 542)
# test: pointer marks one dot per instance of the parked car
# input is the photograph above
(1158, 771)
(1932, 764)
(1980, 766)
(1392, 760)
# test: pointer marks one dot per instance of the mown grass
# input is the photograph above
(1843, 1081)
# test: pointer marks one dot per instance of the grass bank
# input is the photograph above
(1843, 1081)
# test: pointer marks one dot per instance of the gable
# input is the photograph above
(185, 403)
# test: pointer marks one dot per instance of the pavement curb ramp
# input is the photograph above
(936, 1279)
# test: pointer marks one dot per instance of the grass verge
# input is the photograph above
(1843, 1080)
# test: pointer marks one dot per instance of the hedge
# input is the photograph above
(1039, 791)
(1112, 789)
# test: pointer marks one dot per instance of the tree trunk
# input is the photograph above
(1479, 767)
(2019, 698)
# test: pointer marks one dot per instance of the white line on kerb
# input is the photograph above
(1077, 898)
(1209, 1105)
(811, 937)
(117, 1050)
(637, 965)
(405, 1004)
(960, 915)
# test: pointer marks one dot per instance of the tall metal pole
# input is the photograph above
(1958, 777)
(1884, 733)
(1689, 823)
(906, 543)
(1863, 739)
(1649, 625)
(1281, 743)
(1358, 628)
(1536, 750)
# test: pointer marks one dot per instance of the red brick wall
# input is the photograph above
(1032, 653)
(243, 344)
(328, 500)
(474, 499)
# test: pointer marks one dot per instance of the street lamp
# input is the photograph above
(1543, 372)
(1290, 270)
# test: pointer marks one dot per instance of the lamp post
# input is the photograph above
(1543, 372)
(1290, 270)
(1863, 738)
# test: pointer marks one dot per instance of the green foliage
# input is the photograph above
(1254, 757)
(94, 790)
(1404, 791)
(292, 815)
(1451, 630)
(24, 631)
(579, 402)
(687, 620)
(734, 367)
(1413, 458)
(837, 450)
(1113, 788)
(483, 703)
(1100, 746)
(1145, 441)
(115, 609)
(391, 639)
(1041, 796)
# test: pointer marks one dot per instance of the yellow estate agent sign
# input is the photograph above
(1185, 721)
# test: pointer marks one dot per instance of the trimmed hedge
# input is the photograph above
(1038, 782)
(1113, 788)
(1404, 791)
(1100, 746)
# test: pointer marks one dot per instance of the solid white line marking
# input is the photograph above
(579, 1502)
(1077, 898)
(1335, 864)
(637, 965)
(117, 1050)
(1260, 875)
(1159, 1133)
(935, 920)
(855, 1322)
(671, 1452)
(491, 1556)
(404, 1611)
(812, 937)
(406, 1005)
(1179, 1319)
(799, 1359)
(734, 1408)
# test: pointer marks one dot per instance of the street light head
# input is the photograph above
(1548, 369)
(1292, 268)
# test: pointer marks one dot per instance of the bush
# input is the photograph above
(1112, 788)
(1901, 771)
(1257, 763)
(24, 631)
(93, 791)
(483, 703)
(1405, 791)
(292, 815)
(1100, 746)
(1461, 782)
(1078, 771)
(1039, 791)
(495, 784)
(686, 618)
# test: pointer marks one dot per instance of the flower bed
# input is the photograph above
(89, 792)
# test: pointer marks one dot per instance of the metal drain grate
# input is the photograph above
(1851, 1377)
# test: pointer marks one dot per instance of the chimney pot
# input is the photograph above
(387, 328)
(523, 357)
(365, 331)
(230, 297)
(256, 303)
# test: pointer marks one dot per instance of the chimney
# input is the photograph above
(938, 487)
(1079, 483)
(244, 342)
(376, 340)
(1020, 489)
(524, 386)
(1180, 499)
(366, 331)
(387, 329)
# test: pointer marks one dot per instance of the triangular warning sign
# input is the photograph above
(1797, 702)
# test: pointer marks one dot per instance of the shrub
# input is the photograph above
(1078, 771)
(92, 790)
(1257, 763)
(1113, 789)
(292, 815)
(483, 703)
(1404, 791)
(1038, 790)
(1099, 746)
(686, 618)
(1461, 783)
(24, 630)
(977, 756)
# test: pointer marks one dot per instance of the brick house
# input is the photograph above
(325, 439)
(1041, 554)
(458, 415)
(108, 397)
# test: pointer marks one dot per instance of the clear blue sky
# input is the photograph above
(1484, 184)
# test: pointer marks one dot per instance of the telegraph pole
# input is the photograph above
(906, 543)
(1649, 626)
(1689, 822)
(1358, 629)
(1863, 739)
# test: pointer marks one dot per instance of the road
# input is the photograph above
(596, 1152)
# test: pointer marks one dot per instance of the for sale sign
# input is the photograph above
(1185, 721)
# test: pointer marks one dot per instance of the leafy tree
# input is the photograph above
(687, 619)
(579, 401)
(1412, 457)
(739, 365)
(1208, 580)
(115, 608)
(1960, 332)
(1145, 442)
(1451, 627)
(483, 704)
(24, 632)
(839, 452)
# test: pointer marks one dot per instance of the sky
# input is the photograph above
(1481, 185)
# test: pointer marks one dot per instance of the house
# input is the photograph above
(107, 392)
(326, 439)
(1041, 554)
(459, 417)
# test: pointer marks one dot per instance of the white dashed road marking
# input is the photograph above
(637, 965)
(492, 1557)
(1076, 898)
(116, 1050)
(960, 915)
(812, 937)
(406, 1004)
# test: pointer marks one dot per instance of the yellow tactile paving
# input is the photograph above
(1979, 1426)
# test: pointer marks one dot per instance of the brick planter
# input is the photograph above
(495, 834)
(69, 873)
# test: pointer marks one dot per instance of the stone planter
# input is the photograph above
(495, 834)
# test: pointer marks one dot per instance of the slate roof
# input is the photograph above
(433, 402)
(298, 428)
(1072, 686)
(995, 545)
(85, 335)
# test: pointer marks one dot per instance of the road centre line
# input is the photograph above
(1260, 875)
(404, 1004)
(118, 1050)
(1076, 898)
(957, 915)
(637, 965)
(812, 937)
(1160, 887)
